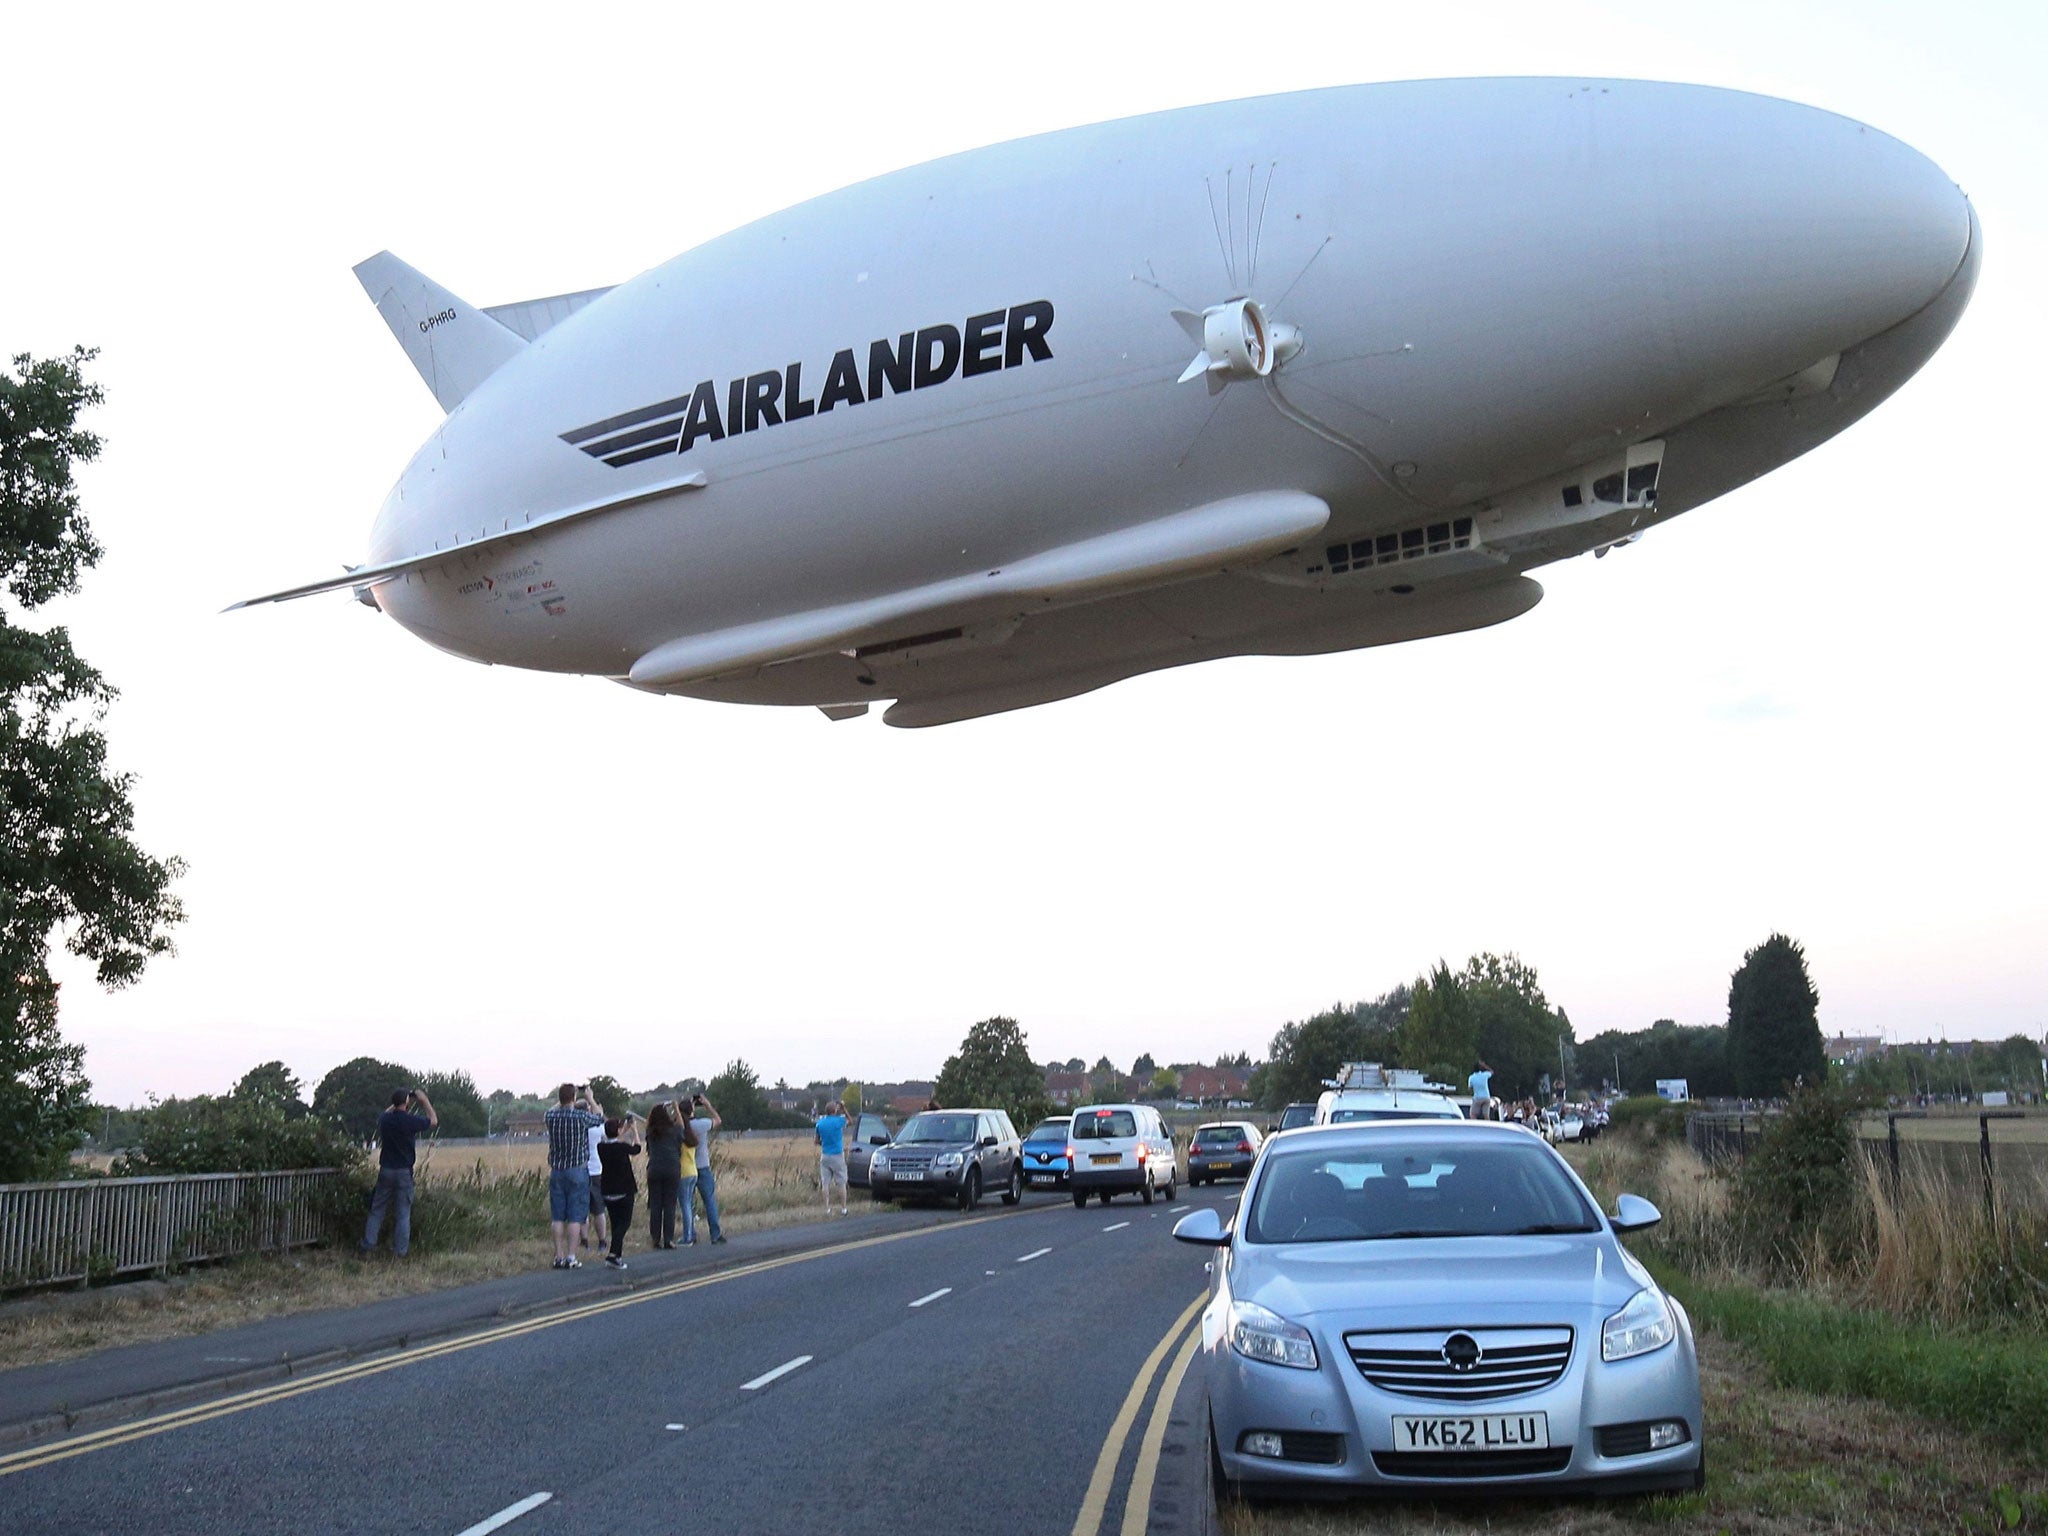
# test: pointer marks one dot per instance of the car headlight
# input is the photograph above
(1263, 1335)
(879, 1163)
(949, 1159)
(1641, 1326)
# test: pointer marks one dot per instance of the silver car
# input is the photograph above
(1421, 1306)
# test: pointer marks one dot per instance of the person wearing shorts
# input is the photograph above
(830, 1130)
(569, 1124)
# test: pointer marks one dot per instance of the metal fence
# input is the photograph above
(1718, 1137)
(91, 1229)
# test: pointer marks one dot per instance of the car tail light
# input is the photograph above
(1141, 1152)
(1245, 1147)
(1070, 1154)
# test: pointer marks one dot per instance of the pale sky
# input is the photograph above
(1813, 706)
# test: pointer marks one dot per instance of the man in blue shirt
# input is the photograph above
(398, 1128)
(830, 1130)
(1481, 1083)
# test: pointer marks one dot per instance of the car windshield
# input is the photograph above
(1297, 1115)
(1346, 1116)
(1395, 1188)
(1101, 1123)
(929, 1127)
(1048, 1130)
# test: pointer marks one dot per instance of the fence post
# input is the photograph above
(1984, 1156)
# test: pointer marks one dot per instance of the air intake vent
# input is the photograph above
(1393, 548)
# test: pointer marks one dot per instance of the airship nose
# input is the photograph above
(1822, 232)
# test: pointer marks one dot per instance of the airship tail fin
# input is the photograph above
(454, 345)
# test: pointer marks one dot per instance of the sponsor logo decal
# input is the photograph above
(919, 359)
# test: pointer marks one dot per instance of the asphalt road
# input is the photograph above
(993, 1374)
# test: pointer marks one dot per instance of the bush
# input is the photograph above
(231, 1135)
(1796, 1193)
(1647, 1115)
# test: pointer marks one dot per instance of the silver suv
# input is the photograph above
(950, 1154)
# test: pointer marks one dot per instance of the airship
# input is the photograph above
(1289, 375)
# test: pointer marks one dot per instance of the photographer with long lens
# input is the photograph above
(398, 1129)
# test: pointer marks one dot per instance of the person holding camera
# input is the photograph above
(398, 1130)
(569, 1124)
(704, 1119)
(616, 1182)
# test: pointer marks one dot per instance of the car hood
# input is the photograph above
(933, 1147)
(1407, 1281)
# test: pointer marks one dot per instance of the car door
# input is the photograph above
(861, 1143)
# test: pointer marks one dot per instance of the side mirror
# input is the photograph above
(878, 1141)
(1204, 1228)
(1632, 1213)
(988, 1141)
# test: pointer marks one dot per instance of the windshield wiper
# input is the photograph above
(1547, 1229)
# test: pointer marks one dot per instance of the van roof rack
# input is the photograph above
(1370, 1074)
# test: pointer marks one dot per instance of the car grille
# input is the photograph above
(1472, 1463)
(1046, 1159)
(1509, 1361)
(908, 1162)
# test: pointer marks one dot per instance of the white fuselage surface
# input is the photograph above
(937, 439)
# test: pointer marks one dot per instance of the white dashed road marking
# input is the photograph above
(507, 1515)
(1116, 1226)
(780, 1371)
(944, 1290)
(1179, 1208)
(1035, 1254)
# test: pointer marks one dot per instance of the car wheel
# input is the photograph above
(1147, 1192)
(970, 1192)
(1080, 1199)
(1016, 1190)
(1103, 1196)
(1173, 1184)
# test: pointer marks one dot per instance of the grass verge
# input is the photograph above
(1992, 1382)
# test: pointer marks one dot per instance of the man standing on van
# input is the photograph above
(1481, 1083)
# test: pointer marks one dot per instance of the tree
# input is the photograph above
(355, 1093)
(1493, 1010)
(67, 857)
(1143, 1068)
(1774, 1038)
(612, 1096)
(457, 1102)
(1165, 1083)
(1303, 1054)
(1241, 1062)
(993, 1070)
(850, 1097)
(272, 1083)
(737, 1093)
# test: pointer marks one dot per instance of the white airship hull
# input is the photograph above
(937, 438)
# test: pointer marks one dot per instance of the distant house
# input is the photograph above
(529, 1122)
(1068, 1088)
(1852, 1048)
(1213, 1086)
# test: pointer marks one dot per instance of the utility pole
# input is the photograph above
(1560, 1064)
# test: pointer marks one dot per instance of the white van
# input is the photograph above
(1364, 1090)
(1116, 1149)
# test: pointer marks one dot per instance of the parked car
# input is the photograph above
(867, 1133)
(1295, 1116)
(1422, 1307)
(1223, 1149)
(950, 1154)
(1045, 1153)
(1120, 1149)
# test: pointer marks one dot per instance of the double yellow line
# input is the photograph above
(1138, 1500)
(200, 1413)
